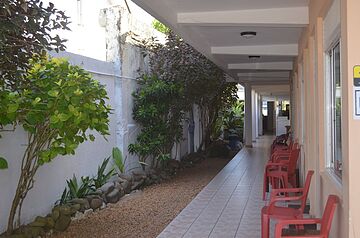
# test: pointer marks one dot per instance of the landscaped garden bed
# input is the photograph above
(146, 213)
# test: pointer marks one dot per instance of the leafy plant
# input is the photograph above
(160, 27)
(26, 29)
(200, 81)
(118, 160)
(157, 110)
(56, 110)
(102, 177)
(3, 163)
(77, 189)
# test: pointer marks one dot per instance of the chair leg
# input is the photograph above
(265, 184)
(265, 220)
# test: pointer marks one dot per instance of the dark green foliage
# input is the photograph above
(25, 30)
(3, 163)
(157, 111)
(63, 102)
(232, 120)
(57, 108)
(102, 177)
(177, 65)
(118, 160)
(77, 189)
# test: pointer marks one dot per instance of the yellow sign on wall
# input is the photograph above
(357, 76)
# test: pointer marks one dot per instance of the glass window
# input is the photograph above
(335, 94)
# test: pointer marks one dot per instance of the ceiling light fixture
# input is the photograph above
(248, 34)
(254, 57)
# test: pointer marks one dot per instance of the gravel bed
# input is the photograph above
(146, 213)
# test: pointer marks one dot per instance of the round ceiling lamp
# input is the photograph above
(248, 34)
(254, 57)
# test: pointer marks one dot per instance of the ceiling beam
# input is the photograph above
(287, 65)
(263, 79)
(275, 50)
(281, 82)
(275, 17)
(279, 74)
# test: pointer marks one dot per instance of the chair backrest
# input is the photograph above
(309, 175)
(293, 158)
(328, 215)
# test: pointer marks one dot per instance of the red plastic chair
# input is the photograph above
(325, 222)
(281, 153)
(279, 213)
(279, 142)
(281, 172)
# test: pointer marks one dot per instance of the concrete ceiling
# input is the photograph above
(213, 27)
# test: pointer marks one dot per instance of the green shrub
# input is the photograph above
(102, 177)
(58, 107)
(119, 162)
(77, 189)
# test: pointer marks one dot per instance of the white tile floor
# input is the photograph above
(230, 205)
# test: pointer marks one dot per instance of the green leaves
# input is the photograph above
(102, 177)
(158, 111)
(62, 103)
(12, 108)
(118, 159)
(17, 48)
(53, 93)
(3, 163)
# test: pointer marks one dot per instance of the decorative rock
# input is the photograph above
(18, 236)
(115, 178)
(137, 184)
(83, 202)
(33, 231)
(50, 223)
(62, 223)
(126, 186)
(126, 177)
(121, 180)
(55, 214)
(96, 203)
(151, 171)
(91, 197)
(138, 176)
(148, 181)
(75, 208)
(113, 196)
(107, 188)
(66, 210)
(39, 222)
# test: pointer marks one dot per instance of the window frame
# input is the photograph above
(331, 108)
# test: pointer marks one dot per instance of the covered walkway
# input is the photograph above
(229, 206)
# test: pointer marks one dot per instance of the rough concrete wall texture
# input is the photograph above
(51, 178)
(121, 28)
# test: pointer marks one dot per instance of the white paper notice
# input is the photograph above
(357, 103)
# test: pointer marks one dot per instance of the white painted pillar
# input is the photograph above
(253, 109)
(248, 115)
(260, 116)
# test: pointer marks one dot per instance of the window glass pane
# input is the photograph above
(337, 160)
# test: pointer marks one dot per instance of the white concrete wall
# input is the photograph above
(87, 35)
(51, 178)
(120, 28)
(281, 122)
(198, 127)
